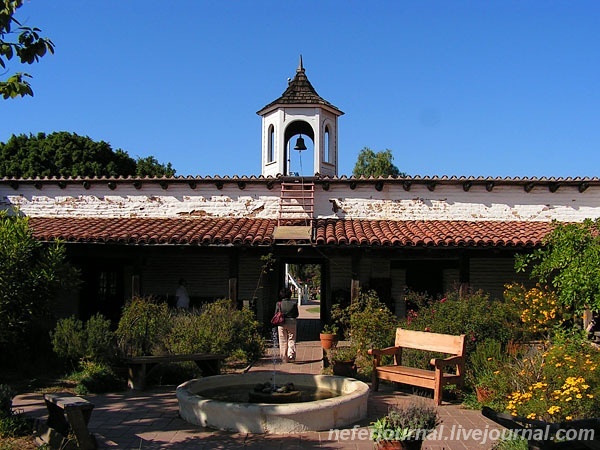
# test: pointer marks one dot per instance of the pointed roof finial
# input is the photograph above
(299, 92)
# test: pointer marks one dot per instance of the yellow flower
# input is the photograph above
(553, 410)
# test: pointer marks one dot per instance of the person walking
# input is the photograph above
(287, 330)
(182, 298)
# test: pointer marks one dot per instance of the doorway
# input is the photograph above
(306, 280)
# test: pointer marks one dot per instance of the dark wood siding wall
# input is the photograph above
(206, 274)
(491, 274)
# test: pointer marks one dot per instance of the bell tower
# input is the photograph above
(299, 113)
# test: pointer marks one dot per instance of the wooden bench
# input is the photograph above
(66, 414)
(139, 366)
(434, 379)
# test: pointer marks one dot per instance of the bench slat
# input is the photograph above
(68, 402)
(433, 342)
(408, 371)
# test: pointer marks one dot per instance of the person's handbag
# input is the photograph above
(278, 318)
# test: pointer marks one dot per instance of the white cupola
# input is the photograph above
(298, 114)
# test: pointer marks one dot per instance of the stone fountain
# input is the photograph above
(273, 402)
(200, 403)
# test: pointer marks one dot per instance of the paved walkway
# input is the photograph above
(149, 420)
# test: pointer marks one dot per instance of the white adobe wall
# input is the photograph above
(503, 203)
(149, 201)
(446, 202)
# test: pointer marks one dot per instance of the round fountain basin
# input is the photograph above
(348, 407)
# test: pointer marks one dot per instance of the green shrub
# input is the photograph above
(68, 339)
(217, 327)
(97, 378)
(487, 368)
(93, 341)
(6, 396)
(474, 315)
(11, 424)
(538, 309)
(100, 339)
(487, 358)
(15, 425)
(367, 323)
(511, 444)
(143, 327)
(560, 383)
(31, 274)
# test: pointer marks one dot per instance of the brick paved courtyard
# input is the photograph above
(149, 420)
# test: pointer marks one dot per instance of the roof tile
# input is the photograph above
(430, 233)
(253, 231)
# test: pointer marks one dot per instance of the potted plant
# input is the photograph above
(484, 386)
(486, 364)
(329, 336)
(405, 426)
(343, 360)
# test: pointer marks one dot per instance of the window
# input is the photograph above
(107, 285)
(326, 149)
(271, 148)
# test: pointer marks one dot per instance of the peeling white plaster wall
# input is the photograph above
(446, 202)
(503, 203)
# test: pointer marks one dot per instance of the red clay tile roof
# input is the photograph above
(155, 230)
(434, 233)
(336, 232)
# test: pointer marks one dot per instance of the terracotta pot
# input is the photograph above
(401, 445)
(344, 368)
(484, 394)
(328, 340)
(522, 347)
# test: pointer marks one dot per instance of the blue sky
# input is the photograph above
(467, 88)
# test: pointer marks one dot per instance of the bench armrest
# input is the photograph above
(440, 363)
(383, 351)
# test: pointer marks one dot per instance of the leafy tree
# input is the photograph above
(31, 276)
(29, 47)
(570, 262)
(70, 155)
(149, 166)
(371, 164)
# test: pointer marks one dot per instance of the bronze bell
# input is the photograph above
(300, 144)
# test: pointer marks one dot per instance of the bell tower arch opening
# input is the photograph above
(299, 144)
